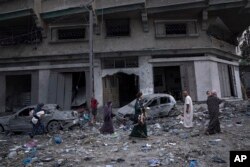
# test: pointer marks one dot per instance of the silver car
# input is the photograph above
(53, 120)
(157, 105)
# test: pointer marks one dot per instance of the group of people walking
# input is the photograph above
(213, 103)
(139, 117)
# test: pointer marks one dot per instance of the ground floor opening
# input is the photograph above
(227, 80)
(78, 88)
(120, 88)
(68, 89)
(168, 80)
(18, 91)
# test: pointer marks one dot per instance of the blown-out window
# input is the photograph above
(71, 33)
(117, 27)
(125, 62)
(176, 28)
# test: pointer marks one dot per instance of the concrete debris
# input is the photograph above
(218, 160)
(12, 155)
(154, 162)
(169, 143)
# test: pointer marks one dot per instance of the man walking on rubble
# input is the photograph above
(188, 110)
(213, 103)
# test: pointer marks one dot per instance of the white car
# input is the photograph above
(157, 105)
(53, 120)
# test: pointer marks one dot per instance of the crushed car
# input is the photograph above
(156, 105)
(54, 119)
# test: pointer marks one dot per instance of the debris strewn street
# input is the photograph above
(169, 143)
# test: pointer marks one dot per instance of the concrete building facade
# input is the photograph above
(148, 45)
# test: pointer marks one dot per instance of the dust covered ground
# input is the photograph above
(169, 143)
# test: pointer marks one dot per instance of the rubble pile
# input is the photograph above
(169, 143)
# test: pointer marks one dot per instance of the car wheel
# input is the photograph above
(53, 126)
(1, 129)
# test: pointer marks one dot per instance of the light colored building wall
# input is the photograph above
(207, 78)
(238, 81)
(111, 3)
(137, 41)
(51, 5)
(215, 78)
(140, 40)
(203, 78)
(146, 80)
(43, 88)
(98, 82)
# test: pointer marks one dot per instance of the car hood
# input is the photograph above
(4, 119)
(128, 109)
(63, 115)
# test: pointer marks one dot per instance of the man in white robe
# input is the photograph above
(188, 111)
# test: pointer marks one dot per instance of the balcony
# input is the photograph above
(54, 5)
(15, 5)
(102, 4)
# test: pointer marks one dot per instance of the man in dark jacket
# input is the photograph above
(213, 103)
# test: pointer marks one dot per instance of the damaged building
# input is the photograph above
(154, 46)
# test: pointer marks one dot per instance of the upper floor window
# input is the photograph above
(69, 33)
(128, 62)
(117, 27)
(170, 28)
(176, 28)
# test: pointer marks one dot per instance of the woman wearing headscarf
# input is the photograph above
(107, 127)
(38, 126)
(140, 127)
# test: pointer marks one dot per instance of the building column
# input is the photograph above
(43, 85)
(215, 79)
(34, 87)
(98, 82)
(238, 82)
(146, 80)
(207, 78)
(87, 80)
(2, 93)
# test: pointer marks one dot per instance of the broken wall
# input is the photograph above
(144, 72)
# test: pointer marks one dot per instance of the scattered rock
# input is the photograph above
(218, 160)
(165, 145)
(60, 162)
(120, 160)
(154, 162)
(88, 158)
(184, 135)
(46, 158)
(12, 155)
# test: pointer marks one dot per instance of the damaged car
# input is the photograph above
(157, 105)
(54, 119)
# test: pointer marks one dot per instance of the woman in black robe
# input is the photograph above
(213, 103)
(107, 127)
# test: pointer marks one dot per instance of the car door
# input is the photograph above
(21, 121)
(165, 105)
(154, 110)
